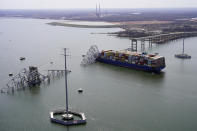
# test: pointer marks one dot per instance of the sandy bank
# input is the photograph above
(85, 24)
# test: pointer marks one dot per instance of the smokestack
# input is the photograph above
(99, 10)
(96, 10)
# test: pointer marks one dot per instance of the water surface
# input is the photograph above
(114, 98)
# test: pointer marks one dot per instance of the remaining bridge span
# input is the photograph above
(159, 39)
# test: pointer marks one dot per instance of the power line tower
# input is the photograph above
(67, 115)
(66, 84)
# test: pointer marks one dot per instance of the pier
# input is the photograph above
(159, 39)
(55, 72)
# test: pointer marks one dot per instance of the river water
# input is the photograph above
(114, 98)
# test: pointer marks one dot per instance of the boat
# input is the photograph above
(22, 58)
(133, 60)
(80, 90)
(10, 74)
(183, 55)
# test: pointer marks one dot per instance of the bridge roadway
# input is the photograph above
(159, 39)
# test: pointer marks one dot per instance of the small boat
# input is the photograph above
(183, 55)
(10, 74)
(22, 58)
(80, 90)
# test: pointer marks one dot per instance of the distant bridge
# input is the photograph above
(159, 39)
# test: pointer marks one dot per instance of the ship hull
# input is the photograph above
(129, 65)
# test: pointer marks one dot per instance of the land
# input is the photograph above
(135, 22)
(150, 28)
(82, 25)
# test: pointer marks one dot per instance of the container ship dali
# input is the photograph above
(134, 60)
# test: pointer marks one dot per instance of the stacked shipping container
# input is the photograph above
(133, 58)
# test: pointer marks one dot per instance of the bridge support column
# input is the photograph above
(142, 45)
(134, 45)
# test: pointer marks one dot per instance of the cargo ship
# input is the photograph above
(133, 60)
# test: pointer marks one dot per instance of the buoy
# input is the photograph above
(80, 90)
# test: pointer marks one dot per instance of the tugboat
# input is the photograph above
(183, 55)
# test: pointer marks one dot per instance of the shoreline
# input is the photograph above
(83, 26)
